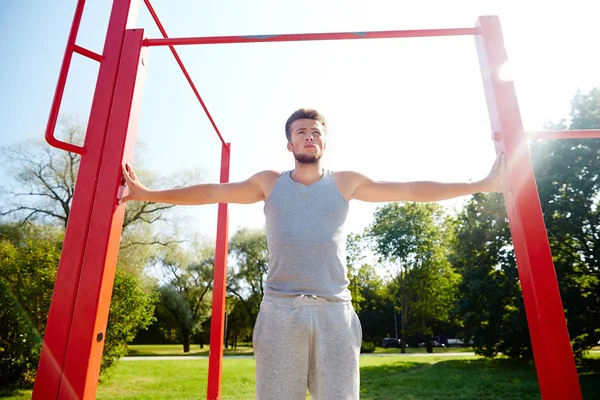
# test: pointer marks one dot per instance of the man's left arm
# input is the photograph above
(366, 189)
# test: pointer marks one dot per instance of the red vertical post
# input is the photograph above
(217, 325)
(56, 337)
(88, 330)
(555, 365)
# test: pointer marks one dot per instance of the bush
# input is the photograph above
(367, 347)
(131, 309)
(28, 255)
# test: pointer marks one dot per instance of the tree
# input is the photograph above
(131, 310)
(246, 277)
(28, 258)
(29, 255)
(566, 173)
(411, 237)
(43, 186)
(490, 302)
(40, 196)
(355, 248)
(370, 297)
(239, 327)
(186, 294)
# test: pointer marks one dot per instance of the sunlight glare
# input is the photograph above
(505, 73)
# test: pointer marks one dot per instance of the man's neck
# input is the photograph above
(307, 174)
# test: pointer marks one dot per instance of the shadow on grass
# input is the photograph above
(466, 379)
(452, 379)
(15, 393)
(589, 378)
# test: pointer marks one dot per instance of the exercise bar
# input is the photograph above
(569, 134)
(302, 37)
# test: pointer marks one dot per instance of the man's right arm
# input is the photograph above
(249, 191)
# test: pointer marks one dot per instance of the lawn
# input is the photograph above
(383, 377)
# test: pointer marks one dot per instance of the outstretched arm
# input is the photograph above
(245, 192)
(366, 189)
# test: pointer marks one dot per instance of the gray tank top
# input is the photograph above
(307, 239)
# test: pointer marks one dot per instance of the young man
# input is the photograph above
(307, 334)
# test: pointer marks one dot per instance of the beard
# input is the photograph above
(307, 158)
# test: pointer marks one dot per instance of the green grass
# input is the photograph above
(384, 377)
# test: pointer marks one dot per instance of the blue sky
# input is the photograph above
(400, 109)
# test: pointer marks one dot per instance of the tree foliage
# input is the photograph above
(566, 173)
(28, 258)
(411, 237)
(35, 206)
(29, 255)
(42, 185)
(246, 277)
(186, 294)
(490, 302)
(131, 310)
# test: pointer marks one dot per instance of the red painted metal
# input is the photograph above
(557, 375)
(217, 324)
(570, 134)
(49, 376)
(60, 85)
(84, 352)
(183, 69)
(87, 53)
(303, 37)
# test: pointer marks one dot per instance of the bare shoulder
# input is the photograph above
(348, 177)
(266, 180)
(265, 177)
(348, 181)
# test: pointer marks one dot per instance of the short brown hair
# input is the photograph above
(303, 113)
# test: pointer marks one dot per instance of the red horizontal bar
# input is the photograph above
(87, 53)
(569, 134)
(183, 69)
(301, 37)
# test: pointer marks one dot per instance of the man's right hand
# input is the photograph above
(136, 191)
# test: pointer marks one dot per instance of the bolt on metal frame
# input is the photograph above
(72, 349)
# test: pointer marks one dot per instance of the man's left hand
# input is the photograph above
(493, 182)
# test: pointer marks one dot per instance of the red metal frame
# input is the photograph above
(217, 323)
(51, 376)
(73, 343)
(303, 37)
(557, 374)
(571, 134)
(183, 69)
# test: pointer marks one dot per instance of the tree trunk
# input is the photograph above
(402, 342)
(185, 332)
(429, 346)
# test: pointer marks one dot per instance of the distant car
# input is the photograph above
(391, 342)
(455, 343)
(433, 344)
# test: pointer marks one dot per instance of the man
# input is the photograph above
(307, 334)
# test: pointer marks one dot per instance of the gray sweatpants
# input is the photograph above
(306, 342)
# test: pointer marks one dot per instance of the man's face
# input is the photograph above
(307, 140)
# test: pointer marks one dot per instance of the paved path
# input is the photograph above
(154, 358)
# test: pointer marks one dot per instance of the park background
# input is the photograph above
(397, 109)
